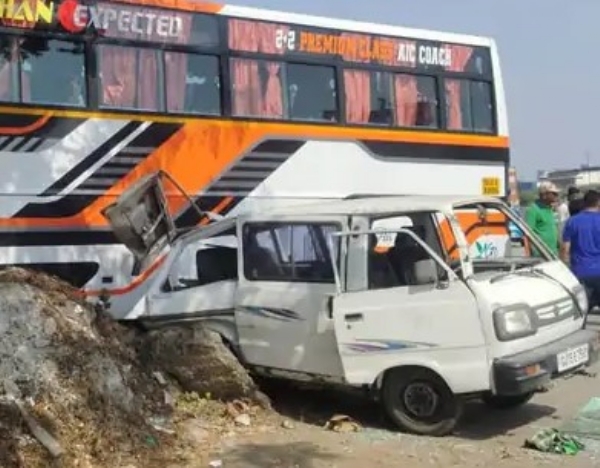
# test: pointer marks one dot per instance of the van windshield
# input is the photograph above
(495, 240)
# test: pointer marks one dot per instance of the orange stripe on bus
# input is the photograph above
(131, 286)
(27, 128)
(212, 146)
(203, 148)
(219, 207)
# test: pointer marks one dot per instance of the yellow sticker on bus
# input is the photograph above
(490, 185)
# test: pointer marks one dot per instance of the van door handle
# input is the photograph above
(353, 317)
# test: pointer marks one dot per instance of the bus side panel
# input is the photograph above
(51, 213)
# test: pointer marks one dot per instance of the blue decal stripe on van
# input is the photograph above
(272, 313)
(374, 346)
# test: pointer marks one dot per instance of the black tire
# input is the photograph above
(506, 402)
(442, 409)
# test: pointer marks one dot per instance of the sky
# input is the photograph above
(550, 60)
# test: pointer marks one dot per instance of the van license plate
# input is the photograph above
(572, 358)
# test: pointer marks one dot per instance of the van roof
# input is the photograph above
(375, 205)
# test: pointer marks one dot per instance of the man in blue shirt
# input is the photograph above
(581, 245)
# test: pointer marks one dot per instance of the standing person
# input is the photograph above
(581, 245)
(562, 215)
(540, 216)
(575, 198)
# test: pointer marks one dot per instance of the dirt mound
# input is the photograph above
(54, 288)
(72, 383)
(198, 360)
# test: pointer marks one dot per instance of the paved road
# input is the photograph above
(485, 438)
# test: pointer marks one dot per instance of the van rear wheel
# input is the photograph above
(419, 401)
(503, 402)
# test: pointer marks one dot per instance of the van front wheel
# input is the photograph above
(419, 401)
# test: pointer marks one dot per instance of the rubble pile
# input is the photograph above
(199, 361)
(79, 390)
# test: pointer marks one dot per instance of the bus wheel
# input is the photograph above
(419, 401)
(506, 402)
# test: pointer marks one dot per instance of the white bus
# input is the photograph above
(244, 108)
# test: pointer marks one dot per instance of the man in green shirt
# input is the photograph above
(541, 218)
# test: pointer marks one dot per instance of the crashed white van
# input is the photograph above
(383, 293)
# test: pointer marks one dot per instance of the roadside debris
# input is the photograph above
(287, 424)
(555, 441)
(585, 373)
(243, 420)
(41, 434)
(238, 407)
(159, 378)
(342, 423)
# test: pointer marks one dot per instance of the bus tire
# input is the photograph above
(506, 402)
(418, 401)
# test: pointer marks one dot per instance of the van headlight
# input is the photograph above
(514, 321)
(581, 297)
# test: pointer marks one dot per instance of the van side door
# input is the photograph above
(404, 306)
(286, 284)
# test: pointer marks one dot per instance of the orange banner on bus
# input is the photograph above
(361, 47)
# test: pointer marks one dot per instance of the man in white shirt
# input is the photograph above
(562, 215)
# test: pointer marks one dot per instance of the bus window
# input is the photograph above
(469, 105)
(368, 97)
(257, 88)
(427, 102)
(9, 84)
(481, 103)
(192, 83)
(311, 92)
(46, 62)
(416, 101)
(121, 83)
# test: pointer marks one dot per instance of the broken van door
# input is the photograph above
(286, 285)
(140, 219)
(412, 310)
